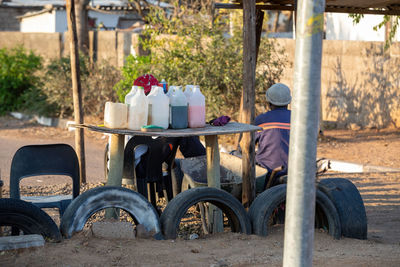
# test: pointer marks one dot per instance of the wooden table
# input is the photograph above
(209, 132)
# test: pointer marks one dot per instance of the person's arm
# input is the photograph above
(191, 147)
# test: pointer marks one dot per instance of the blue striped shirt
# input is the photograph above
(273, 140)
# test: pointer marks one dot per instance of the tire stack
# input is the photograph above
(339, 209)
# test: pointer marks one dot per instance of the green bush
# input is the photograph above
(134, 67)
(97, 81)
(200, 52)
(17, 76)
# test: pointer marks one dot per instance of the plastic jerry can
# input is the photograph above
(115, 115)
(178, 109)
(188, 90)
(158, 107)
(138, 110)
(197, 108)
(131, 94)
(171, 90)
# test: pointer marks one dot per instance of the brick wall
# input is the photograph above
(360, 85)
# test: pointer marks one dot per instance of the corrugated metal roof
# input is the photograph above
(390, 7)
(62, 2)
(108, 3)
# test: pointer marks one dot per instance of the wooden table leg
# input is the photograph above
(214, 180)
(116, 167)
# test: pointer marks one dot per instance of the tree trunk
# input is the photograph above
(76, 89)
(81, 14)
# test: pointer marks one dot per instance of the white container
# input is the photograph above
(188, 90)
(138, 110)
(178, 109)
(131, 94)
(158, 107)
(197, 108)
(115, 115)
(171, 90)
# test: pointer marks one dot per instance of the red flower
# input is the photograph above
(146, 81)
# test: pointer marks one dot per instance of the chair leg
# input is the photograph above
(142, 187)
(152, 194)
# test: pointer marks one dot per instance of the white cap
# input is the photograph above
(278, 94)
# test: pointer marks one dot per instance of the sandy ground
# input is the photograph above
(380, 193)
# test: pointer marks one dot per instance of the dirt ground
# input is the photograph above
(380, 193)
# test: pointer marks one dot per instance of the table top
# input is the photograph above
(230, 128)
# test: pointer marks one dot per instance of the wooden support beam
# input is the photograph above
(76, 88)
(394, 10)
(259, 24)
(215, 222)
(248, 95)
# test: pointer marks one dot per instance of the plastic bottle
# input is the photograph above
(188, 90)
(164, 85)
(131, 94)
(178, 109)
(138, 110)
(197, 108)
(115, 115)
(158, 107)
(171, 90)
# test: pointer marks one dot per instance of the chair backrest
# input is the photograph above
(52, 159)
(160, 150)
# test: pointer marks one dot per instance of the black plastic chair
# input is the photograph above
(52, 159)
(153, 173)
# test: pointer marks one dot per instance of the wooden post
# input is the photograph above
(259, 24)
(248, 95)
(215, 223)
(116, 168)
(76, 88)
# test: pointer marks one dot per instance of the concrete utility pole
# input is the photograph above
(76, 88)
(300, 198)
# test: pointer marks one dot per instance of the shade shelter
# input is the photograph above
(300, 208)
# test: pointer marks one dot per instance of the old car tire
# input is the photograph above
(265, 204)
(230, 206)
(349, 204)
(27, 217)
(93, 200)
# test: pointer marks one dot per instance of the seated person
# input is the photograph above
(273, 140)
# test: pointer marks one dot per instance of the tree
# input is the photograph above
(391, 23)
(81, 14)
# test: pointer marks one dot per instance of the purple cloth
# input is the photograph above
(221, 121)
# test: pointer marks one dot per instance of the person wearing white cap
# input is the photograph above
(273, 140)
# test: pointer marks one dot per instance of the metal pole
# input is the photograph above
(300, 200)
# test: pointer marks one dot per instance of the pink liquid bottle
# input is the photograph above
(197, 108)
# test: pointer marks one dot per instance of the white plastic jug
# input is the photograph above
(158, 107)
(131, 94)
(115, 115)
(138, 110)
(178, 109)
(188, 90)
(171, 90)
(197, 108)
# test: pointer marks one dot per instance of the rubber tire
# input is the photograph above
(28, 218)
(347, 199)
(263, 206)
(93, 200)
(177, 207)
